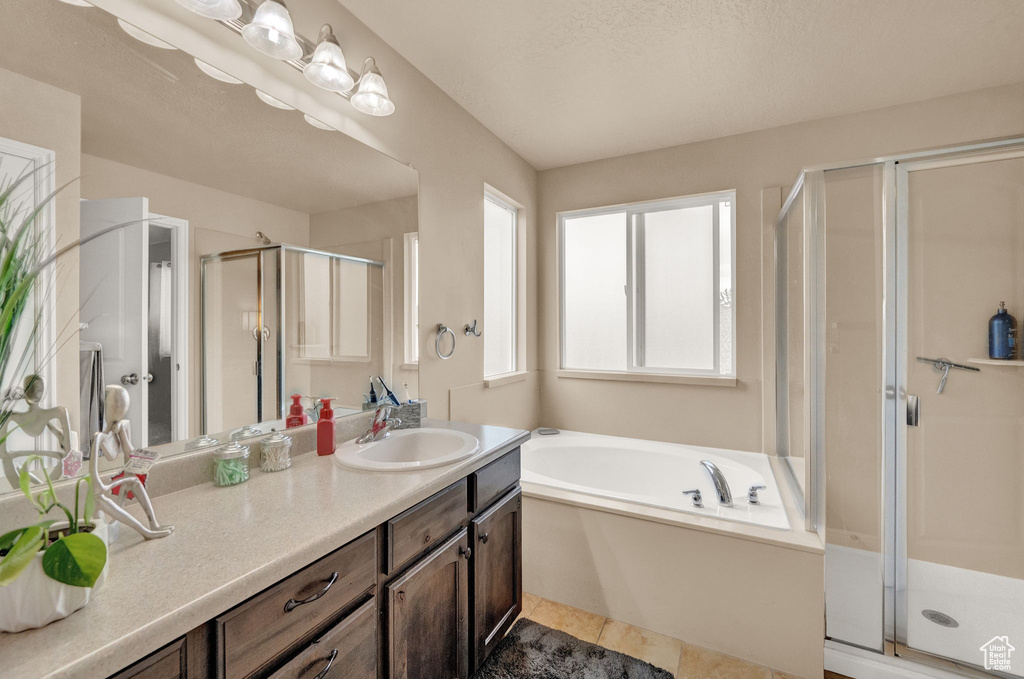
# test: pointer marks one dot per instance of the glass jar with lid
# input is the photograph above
(277, 453)
(231, 465)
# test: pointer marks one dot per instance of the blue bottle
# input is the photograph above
(1002, 331)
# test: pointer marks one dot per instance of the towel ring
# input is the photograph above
(441, 330)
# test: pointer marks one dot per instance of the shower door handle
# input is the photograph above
(913, 410)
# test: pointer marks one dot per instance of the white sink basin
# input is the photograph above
(408, 450)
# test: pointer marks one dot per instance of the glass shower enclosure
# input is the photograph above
(906, 438)
(281, 320)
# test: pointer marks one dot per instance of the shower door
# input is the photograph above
(960, 448)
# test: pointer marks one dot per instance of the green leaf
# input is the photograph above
(8, 539)
(76, 560)
(21, 554)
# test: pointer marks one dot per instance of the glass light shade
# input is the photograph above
(327, 68)
(316, 123)
(217, 74)
(273, 101)
(271, 32)
(372, 96)
(221, 10)
(142, 36)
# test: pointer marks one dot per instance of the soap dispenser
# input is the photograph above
(325, 429)
(1002, 331)
(296, 413)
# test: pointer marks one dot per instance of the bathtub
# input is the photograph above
(653, 474)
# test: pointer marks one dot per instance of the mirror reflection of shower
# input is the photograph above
(280, 320)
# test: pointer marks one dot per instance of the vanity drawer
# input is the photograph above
(415, 530)
(349, 649)
(489, 483)
(170, 662)
(270, 623)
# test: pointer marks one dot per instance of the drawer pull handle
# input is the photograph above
(466, 552)
(293, 604)
(330, 661)
(483, 538)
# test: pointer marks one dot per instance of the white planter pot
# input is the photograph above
(34, 599)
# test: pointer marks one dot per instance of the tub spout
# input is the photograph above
(721, 485)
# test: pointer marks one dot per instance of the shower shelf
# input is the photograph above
(996, 361)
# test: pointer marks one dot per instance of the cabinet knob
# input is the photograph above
(401, 595)
(465, 552)
(483, 538)
(426, 539)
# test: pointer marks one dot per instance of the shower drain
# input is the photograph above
(940, 618)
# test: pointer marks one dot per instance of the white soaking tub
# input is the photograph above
(654, 474)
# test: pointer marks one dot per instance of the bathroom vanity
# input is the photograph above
(403, 585)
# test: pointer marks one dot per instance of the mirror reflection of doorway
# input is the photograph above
(133, 316)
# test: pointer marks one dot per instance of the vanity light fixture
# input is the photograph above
(222, 10)
(217, 74)
(271, 32)
(142, 36)
(273, 101)
(316, 123)
(371, 96)
(327, 68)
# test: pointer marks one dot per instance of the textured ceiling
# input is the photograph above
(566, 81)
(154, 109)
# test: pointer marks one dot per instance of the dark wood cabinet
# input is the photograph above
(349, 650)
(427, 594)
(497, 572)
(428, 615)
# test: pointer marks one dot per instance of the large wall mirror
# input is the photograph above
(217, 253)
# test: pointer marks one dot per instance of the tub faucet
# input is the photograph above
(721, 485)
(382, 425)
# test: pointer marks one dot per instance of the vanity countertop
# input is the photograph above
(228, 545)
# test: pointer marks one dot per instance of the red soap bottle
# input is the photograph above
(296, 415)
(325, 429)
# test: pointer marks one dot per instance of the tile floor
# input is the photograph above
(684, 660)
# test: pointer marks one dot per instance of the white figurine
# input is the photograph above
(113, 441)
(34, 422)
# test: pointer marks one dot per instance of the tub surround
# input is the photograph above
(745, 590)
(228, 545)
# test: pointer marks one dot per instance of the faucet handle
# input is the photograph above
(752, 494)
(696, 497)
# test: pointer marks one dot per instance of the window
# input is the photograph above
(648, 288)
(412, 298)
(499, 286)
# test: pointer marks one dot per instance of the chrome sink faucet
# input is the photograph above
(382, 425)
(721, 485)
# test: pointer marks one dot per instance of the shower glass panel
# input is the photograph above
(961, 585)
(854, 374)
(791, 435)
(232, 325)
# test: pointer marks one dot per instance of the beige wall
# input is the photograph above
(218, 221)
(454, 154)
(35, 113)
(728, 416)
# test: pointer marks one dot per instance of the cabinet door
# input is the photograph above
(428, 615)
(497, 572)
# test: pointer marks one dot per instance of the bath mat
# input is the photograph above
(533, 651)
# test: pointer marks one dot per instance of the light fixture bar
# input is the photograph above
(249, 11)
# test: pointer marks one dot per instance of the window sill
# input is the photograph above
(502, 380)
(694, 380)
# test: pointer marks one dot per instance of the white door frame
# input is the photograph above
(45, 228)
(179, 343)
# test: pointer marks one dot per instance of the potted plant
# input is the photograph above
(49, 570)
